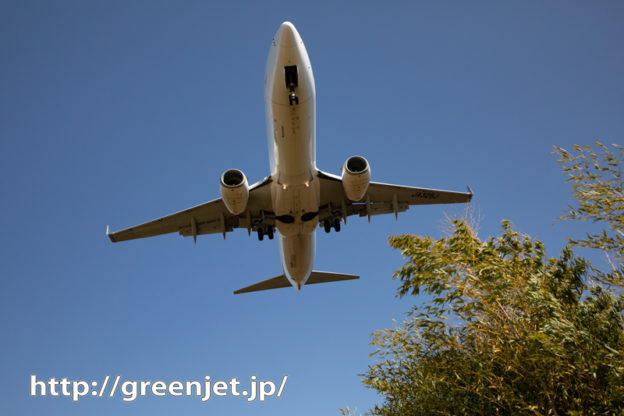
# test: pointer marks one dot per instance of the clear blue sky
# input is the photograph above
(119, 112)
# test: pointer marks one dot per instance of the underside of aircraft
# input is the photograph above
(297, 197)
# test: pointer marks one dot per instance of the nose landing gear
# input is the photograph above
(292, 97)
(292, 81)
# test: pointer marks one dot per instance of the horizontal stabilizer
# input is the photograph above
(281, 281)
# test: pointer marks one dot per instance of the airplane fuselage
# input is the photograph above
(289, 95)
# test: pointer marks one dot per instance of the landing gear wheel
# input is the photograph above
(270, 233)
(260, 234)
(292, 98)
(327, 226)
(337, 224)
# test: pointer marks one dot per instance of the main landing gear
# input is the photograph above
(327, 225)
(268, 230)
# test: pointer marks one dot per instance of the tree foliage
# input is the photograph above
(598, 186)
(506, 330)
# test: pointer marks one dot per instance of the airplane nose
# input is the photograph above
(287, 35)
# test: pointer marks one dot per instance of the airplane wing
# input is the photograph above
(380, 198)
(209, 218)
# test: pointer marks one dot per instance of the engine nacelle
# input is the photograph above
(234, 191)
(356, 176)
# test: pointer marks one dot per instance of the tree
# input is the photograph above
(598, 187)
(507, 330)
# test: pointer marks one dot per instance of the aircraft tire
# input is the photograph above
(337, 224)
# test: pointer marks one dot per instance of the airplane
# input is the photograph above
(296, 196)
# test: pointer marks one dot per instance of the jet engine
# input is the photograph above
(234, 191)
(356, 177)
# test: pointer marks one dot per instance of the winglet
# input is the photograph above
(109, 235)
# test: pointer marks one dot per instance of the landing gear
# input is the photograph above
(291, 77)
(327, 226)
(337, 225)
(267, 230)
(292, 97)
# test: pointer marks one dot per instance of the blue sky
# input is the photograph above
(119, 112)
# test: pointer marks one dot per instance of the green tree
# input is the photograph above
(598, 186)
(507, 330)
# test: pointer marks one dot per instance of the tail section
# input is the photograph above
(281, 281)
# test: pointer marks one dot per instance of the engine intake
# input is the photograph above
(356, 177)
(234, 191)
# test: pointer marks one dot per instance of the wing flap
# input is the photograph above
(378, 208)
(211, 227)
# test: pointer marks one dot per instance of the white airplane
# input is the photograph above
(296, 196)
